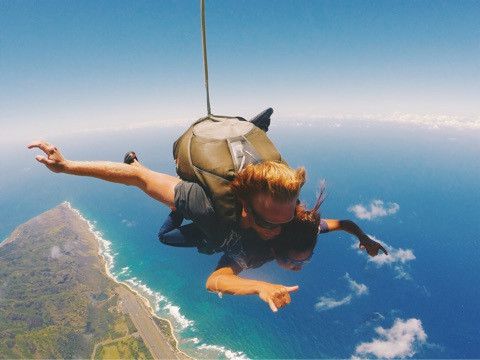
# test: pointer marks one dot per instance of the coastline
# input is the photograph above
(152, 300)
(107, 260)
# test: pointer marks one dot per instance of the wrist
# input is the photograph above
(66, 165)
(362, 237)
(259, 286)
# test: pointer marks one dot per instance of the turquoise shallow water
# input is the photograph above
(432, 174)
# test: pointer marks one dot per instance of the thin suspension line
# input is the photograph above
(205, 63)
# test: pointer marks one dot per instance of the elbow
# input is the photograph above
(162, 238)
(351, 227)
(131, 175)
(140, 179)
(213, 283)
(210, 283)
(346, 224)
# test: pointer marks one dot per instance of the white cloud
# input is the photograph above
(435, 121)
(395, 257)
(326, 303)
(401, 273)
(431, 121)
(359, 289)
(402, 340)
(55, 252)
(377, 208)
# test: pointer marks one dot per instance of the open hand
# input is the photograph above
(372, 246)
(276, 296)
(54, 159)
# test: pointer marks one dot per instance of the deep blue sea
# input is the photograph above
(414, 188)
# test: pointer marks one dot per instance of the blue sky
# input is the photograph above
(72, 65)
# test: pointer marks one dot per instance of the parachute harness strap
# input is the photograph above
(205, 63)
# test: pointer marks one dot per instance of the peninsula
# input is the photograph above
(58, 301)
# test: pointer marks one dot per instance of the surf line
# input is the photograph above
(104, 250)
(104, 247)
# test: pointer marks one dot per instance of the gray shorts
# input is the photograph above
(192, 202)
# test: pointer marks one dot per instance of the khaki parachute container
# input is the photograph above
(213, 150)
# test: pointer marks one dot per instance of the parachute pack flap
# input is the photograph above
(222, 128)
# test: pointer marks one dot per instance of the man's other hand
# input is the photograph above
(372, 246)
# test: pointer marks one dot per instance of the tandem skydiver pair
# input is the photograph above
(240, 195)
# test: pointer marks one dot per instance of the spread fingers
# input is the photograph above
(44, 160)
(42, 145)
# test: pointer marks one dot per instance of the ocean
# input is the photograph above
(414, 187)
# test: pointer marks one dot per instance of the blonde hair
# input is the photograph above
(276, 179)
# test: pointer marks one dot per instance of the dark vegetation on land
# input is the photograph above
(55, 298)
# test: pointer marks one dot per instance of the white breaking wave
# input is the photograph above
(124, 271)
(160, 302)
(104, 247)
(194, 340)
(221, 350)
(174, 311)
(156, 300)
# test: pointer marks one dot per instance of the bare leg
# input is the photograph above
(158, 185)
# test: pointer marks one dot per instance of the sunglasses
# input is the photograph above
(264, 224)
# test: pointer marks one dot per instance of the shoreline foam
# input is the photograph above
(108, 261)
(104, 250)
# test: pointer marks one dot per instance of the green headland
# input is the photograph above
(57, 300)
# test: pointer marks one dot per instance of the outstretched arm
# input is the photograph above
(157, 185)
(372, 246)
(225, 280)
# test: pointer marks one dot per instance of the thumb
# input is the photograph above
(272, 305)
(291, 288)
(44, 160)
